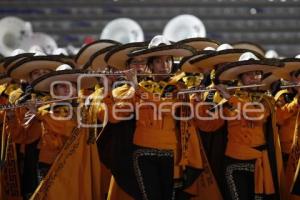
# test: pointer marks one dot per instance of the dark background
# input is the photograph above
(275, 24)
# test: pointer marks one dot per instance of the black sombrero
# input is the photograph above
(118, 56)
(199, 43)
(84, 54)
(250, 46)
(290, 65)
(44, 83)
(22, 68)
(232, 71)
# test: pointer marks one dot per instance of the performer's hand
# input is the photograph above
(199, 96)
(31, 105)
(131, 75)
(223, 91)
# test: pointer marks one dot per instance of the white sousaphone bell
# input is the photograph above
(271, 54)
(184, 27)
(12, 32)
(45, 41)
(123, 30)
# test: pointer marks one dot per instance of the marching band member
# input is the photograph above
(27, 129)
(101, 61)
(159, 160)
(287, 119)
(208, 61)
(10, 183)
(67, 155)
(123, 184)
(252, 156)
(284, 125)
(11, 165)
(91, 58)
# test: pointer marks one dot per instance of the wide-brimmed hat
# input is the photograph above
(83, 56)
(118, 56)
(199, 43)
(64, 73)
(268, 79)
(8, 62)
(97, 61)
(290, 65)
(250, 46)
(160, 46)
(210, 59)
(22, 68)
(185, 63)
(247, 62)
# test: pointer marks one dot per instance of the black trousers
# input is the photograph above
(154, 173)
(43, 169)
(239, 180)
(30, 164)
(285, 159)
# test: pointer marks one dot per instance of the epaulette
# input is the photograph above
(173, 80)
(15, 95)
(10, 88)
(3, 88)
(150, 86)
(45, 107)
(192, 81)
(123, 92)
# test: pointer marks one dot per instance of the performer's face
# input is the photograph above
(250, 78)
(65, 90)
(140, 64)
(37, 73)
(161, 65)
